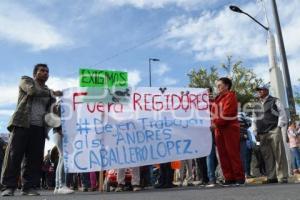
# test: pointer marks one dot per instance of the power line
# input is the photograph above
(127, 50)
(124, 51)
(152, 38)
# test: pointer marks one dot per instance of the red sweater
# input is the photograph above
(225, 109)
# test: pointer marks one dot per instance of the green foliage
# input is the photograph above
(203, 78)
(244, 80)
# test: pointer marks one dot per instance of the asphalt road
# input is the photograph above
(257, 192)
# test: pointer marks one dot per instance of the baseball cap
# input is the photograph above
(263, 87)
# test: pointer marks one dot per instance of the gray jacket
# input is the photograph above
(27, 90)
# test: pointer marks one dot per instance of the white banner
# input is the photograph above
(108, 129)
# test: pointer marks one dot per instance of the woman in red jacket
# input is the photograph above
(227, 132)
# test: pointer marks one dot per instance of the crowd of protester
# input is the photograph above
(238, 151)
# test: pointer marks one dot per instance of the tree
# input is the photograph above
(244, 80)
(203, 78)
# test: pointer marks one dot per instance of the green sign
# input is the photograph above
(103, 78)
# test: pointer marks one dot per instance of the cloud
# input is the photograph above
(59, 83)
(6, 112)
(134, 77)
(294, 70)
(9, 94)
(161, 69)
(290, 21)
(213, 35)
(262, 71)
(168, 81)
(291, 33)
(19, 25)
(45, 2)
(154, 4)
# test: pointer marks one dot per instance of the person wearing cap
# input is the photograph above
(269, 118)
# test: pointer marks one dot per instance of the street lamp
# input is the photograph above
(238, 10)
(279, 88)
(155, 60)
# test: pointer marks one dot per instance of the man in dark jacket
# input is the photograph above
(27, 133)
(269, 118)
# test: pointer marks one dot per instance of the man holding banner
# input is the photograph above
(28, 133)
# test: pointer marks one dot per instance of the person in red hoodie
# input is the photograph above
(227, 132)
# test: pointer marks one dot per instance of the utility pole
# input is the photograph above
(288, 85)
(276, 80)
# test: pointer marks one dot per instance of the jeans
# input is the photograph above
(85, 180)
(296, 157)
(166, 174)
(211, 162)
(246, 157)
(72, 180)
(60, 176)
(146, 176)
